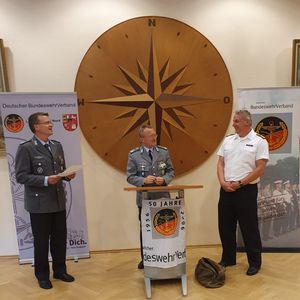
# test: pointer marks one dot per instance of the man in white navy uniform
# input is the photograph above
(38, 161)
(242, 160)
(149, 165)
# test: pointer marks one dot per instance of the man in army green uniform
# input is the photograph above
(38, 161)
(149, 165)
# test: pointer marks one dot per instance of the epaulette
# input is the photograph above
(162, 147)
(260, 136)
(54, 141)
(22, 143)
(230, 134)
(134, 150)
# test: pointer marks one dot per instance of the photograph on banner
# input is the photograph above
(163, 228)
(62, 110)
(276, 115)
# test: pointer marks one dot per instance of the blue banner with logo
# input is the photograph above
(62, 108)
(276, 115)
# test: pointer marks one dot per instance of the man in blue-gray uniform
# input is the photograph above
(38, 163)
(149, 165)
(242, 160)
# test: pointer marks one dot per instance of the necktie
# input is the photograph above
(150, 154)
(47, 146)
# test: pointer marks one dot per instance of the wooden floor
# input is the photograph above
(114, 275)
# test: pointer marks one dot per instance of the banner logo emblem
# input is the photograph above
(70, 121)
(165, 222)
(274, 130)
(13, 123)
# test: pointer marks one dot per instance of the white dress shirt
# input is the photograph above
(241, 153)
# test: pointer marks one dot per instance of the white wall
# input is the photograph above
(46, 41)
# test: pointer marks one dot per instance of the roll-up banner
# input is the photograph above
(62, 109)
(276, 115)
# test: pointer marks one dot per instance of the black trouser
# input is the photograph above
(141, 237)
(240, 206)
(45, 227)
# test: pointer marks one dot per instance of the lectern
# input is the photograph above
(163, 231)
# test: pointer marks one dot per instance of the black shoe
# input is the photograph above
(141, 265)
(64, 277)
(45, 284)
(225, 264)
(252, 271)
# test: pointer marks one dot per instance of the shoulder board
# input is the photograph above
(54, 141)
(260, 136)
(134, 150)
(230, 134)
(161, 147)
(22, 143)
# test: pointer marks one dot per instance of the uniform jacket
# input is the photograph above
(140, 166)
(34, 162)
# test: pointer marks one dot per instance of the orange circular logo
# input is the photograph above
(13, 123)
(274, 130)
(165, 222)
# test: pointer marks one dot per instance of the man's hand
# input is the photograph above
(159, 181)
(71, 176)
(235, 185)
(149, 179)
(227, 187)
(53, 179)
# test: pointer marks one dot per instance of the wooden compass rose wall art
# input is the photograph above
(159, 71)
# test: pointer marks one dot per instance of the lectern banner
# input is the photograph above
(163, 230)
(62, 109)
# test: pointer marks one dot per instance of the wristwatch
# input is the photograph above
(240, 183)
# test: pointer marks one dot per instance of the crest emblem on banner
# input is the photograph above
(13, 123)
(70, 121)
(274, 130)
(165, 221)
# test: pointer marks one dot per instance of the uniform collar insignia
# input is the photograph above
(144, 148)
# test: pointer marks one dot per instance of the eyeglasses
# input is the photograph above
(45, 123)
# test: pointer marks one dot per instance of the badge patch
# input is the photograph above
(274, 130)
(165, 221)
(162, 167)
(13, 123)
(70, 121)
(142, 168)
(61, 159)
(40, 170)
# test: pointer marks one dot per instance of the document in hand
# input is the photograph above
(71, 170)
